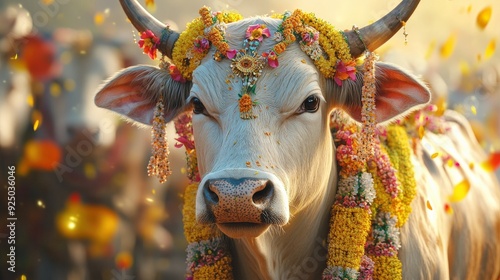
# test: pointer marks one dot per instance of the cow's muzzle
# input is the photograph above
(242, 204)
(242, 200)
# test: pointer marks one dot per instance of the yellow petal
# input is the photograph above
(35, 125)
(483, 18)
(449, 46)
(90, 171)
(30, 100)
(460, 191)
(435, 155)
(473, 110)
(151, 5)
(37, 119)
(421, 132)
(471, 165)
(490, 49)
(429, 206)
(99, 18)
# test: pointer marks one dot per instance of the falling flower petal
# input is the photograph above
(41, 154)
(492, 163)
(35, 125)
(30, 100)
(429, 206)
(90, 171)
(435, 155)
(483, 18)
(490, 49)
(449, 46)
(151, 5)
(473, 109)
(124, 260)
(448, 209)
(460, 191)
(99, 18)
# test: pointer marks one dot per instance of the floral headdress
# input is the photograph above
(325, 45)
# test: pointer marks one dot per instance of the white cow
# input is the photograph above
(285, 219)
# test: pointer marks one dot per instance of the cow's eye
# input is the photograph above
(198, 107)
(310, 105)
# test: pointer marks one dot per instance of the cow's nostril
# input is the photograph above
(264, 195)
(210, 195)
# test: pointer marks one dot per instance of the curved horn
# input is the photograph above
(376, 34)
(142, 21)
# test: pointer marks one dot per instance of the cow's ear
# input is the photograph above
(134, 92)
(398, 93)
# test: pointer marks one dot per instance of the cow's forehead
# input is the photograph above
(283, 87)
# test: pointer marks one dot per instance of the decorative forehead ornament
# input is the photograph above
(324, 44)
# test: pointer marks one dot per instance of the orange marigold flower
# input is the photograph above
(246, 104)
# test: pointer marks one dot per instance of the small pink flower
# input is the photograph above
(201, 45)
(257, 32)
(184, 141)
(176, 74)
(231, 54)
(345, 71)
(149, 43)
(310, 36)
(272, 59)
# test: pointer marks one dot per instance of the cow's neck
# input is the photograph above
(297, 251)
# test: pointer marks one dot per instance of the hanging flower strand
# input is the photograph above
(159, 164)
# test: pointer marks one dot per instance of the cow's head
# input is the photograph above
(261, 172)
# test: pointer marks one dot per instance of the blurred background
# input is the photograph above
(96, 214)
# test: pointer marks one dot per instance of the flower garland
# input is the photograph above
(324, 44)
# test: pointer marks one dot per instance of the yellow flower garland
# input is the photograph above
(399, 151)
(331, 40)
(193, 31)
(348, 232)
(196, 234)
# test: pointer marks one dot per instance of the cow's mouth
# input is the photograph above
(241, 230)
